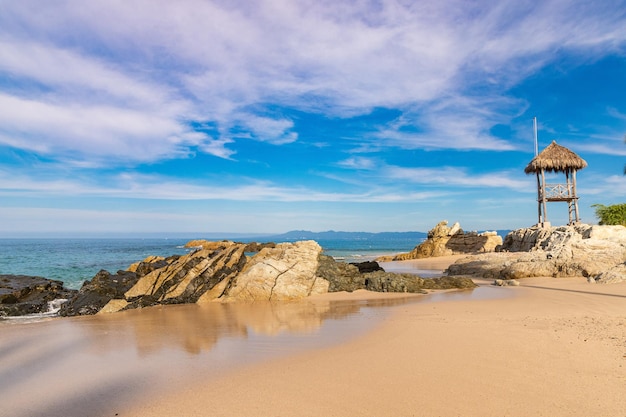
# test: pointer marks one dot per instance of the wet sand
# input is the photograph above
(431, 266)
(554, 347)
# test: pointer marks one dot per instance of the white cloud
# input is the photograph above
(144, 69)
(452, 177)
(358, 163)
(266, 129)
(74, 77)
(93, 131)
(135, 186)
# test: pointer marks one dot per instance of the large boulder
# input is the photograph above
(22, 294)
(285, 272)
(443, 240)
(565, 251)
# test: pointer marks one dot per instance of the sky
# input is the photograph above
(206, 116)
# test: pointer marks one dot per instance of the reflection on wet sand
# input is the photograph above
(197, 328)
(102, 363)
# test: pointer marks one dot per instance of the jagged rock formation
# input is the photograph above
(443, 240)
(224, 274)
(21, 294)
(285, 272)
(595, 252)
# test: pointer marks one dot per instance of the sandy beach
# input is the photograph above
(550, 347)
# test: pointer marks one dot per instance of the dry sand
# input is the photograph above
(551, 347)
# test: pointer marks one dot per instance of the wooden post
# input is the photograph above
(575, 195)
(569, 197)
(543, 196)
(539, 221)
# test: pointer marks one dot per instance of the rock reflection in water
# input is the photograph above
(198, 328)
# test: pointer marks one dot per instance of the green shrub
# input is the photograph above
(607, 215)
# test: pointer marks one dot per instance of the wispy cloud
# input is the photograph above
(144, 187)
(147, 68)
(454, 177)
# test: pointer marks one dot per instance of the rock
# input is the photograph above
(565, 251)
(443, 240)
(367, 266)
(149, 264)
(97, 292)
(209, 245)
(346, 277)
(21, 294)
(611, 276)
(391, 282)
(506, 282)
(286, 272)
(187, 278)
(257, 247)
(340, 275)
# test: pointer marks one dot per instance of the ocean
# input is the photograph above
(75, 260)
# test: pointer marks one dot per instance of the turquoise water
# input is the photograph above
(75, 260)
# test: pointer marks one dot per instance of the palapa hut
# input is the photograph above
(556, 158)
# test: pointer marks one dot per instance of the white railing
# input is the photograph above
(559, 191)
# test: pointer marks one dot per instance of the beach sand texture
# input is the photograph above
(551, 347)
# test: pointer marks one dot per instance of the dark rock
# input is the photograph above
(97, 292)
(22, 294)
(368, 266)
(342, 276)
(346, 277)
(144, 268)
(257, 247)
(390, 282)
(187, 278)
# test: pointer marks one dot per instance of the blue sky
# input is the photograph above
(261, 117)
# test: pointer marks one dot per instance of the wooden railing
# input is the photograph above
(559, 191)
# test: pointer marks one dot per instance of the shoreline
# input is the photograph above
(552, 346)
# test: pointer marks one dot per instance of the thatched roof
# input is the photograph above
(555, 158)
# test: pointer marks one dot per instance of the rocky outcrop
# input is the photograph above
(595, 252)
(443, 240)
(390, 282)
(223, 273)
(288, 271)
(346, 277)
(21, 295)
